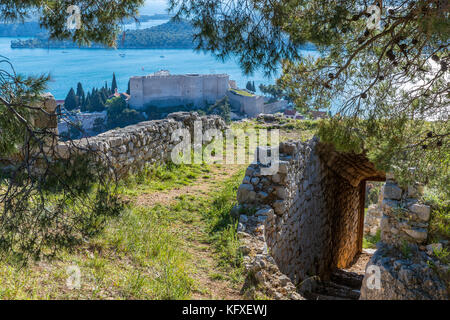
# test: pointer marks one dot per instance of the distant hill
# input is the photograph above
(170, 35)
(26, 29)
(33, 29)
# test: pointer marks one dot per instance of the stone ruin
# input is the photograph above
(131, 148)
(307, 220)
(304, 221)
(127, 149)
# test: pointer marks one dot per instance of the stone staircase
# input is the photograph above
(343, 285)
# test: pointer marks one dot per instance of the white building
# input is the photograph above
(162, 89)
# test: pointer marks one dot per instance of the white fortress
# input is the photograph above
(162, 89)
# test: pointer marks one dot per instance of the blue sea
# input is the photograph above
(92, 67)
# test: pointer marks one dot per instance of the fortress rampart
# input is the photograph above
(165, 90)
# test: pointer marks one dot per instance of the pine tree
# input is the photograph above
(71, 102)
(114, 84)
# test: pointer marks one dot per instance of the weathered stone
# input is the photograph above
(246, 193)
(422, 211)
(418, 234)
(279, 207)
(431, 248)
(392, 191)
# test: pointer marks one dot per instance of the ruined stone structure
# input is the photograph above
(131, 148)
(305, 220)
(253, 105)
(44, 117)
(316, 222)
(162, 89)
(407, 271)
(308, 219)
(373, 217)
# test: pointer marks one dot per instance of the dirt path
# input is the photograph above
(200, 187)
(210, 280)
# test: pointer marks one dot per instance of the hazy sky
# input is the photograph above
(154, 6)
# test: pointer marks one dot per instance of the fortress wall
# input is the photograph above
(174, 90)
(136, 91)
(251, 106)
(275, 106)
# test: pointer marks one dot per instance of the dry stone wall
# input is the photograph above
(303, 221)
(305, 216)
(372, 220)
(408, 269)
(131, 148)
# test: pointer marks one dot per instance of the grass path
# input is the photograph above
(175, 240)
(211, 281)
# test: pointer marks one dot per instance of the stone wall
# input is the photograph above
(133, 147)
(408, 269)
(276, 106)
(308, 218)
(404, 218)
(372, 220)
(307, 215)
(250, 105)
(165, 90)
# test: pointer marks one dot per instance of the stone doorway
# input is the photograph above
(315, 210)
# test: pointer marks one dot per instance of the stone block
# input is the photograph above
(422, 211)
(246, 193)
(392, 191)
(279, 207)
(418, 234)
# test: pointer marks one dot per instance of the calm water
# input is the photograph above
(92, 67)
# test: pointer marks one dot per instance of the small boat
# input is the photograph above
(162, 57)
(122, 55)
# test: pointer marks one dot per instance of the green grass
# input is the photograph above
(138, 256)
(162, 178)
(439, 228)
(222, 227)
(242, 93)
(370, 242)
(143, 253)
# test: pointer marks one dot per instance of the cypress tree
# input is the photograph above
(80, 93)
(128, 89)
(114, 84)
(249, 86)
(70, 102)
(97, 103)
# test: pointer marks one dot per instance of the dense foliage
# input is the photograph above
(51, 197)
(119, 115)
(386, 82)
